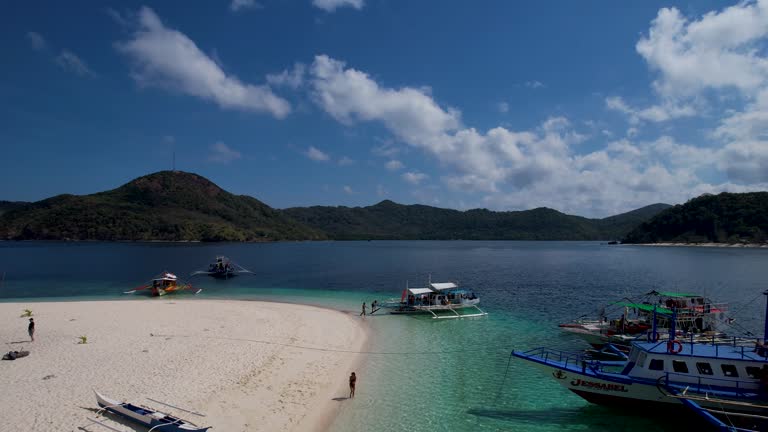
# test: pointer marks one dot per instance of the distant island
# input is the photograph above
(180, 206)
(726, 218)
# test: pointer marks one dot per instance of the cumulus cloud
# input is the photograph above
(394, 165)
(316, 155)
(167, 58)
(414, 177)
(535, 167)
(719, 50)
(534, 84)
(332, 5)
(503, 107)
(348, 190)
(238, 5)
(346, 161)
(67, 60)
(222, 153)
(292, 78)
(36, 40)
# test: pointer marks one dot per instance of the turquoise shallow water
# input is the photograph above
(425, 374)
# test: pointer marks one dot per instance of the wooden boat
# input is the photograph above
(440, 300)
(223, 268)
(725, 380)
(164, 283)
(147, 417)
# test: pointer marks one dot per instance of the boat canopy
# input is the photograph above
(647, 308)
(417, 291)
(444, 286)
(167, 276)
(674, 294)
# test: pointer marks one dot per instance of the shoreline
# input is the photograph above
(706, 245)
(248, 365)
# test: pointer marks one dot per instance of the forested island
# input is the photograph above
(180, 206)
(723, 218)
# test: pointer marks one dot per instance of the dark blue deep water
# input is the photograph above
(426, 374)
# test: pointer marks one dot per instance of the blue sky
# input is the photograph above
(591, 108)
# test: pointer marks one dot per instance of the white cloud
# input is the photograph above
(414, 177)
(72, 63)
(36, 40)
(167, 58)
(668, 110)
(534, 84)
(381, 191)
(348, 190)
(332, 5)
(394, 165)
(238, 5)
(503, 107)
(316, 155)
(346, 161)
(541, 166)
(292, 78)
(222, 153)
(720, 50)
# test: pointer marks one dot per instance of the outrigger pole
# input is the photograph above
(765, 334)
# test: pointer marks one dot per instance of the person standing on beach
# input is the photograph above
(363, 312)
(31, 329)
(352, 382)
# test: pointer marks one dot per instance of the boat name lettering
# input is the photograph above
(598, 385)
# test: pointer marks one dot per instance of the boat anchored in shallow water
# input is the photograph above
(145, 416)
(721, 382)
(223, 268)
(441, 300)
(164, 283)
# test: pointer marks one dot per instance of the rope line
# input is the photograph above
(305, 347)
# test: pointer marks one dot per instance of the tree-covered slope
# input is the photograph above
(168, 205)
(389, 220)
(723, 218)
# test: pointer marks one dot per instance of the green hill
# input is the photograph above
(10, 205)
(389, 220)
(168, 205)
(723, 218)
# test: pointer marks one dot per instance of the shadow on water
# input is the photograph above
(592, 417)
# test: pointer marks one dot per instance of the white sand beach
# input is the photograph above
(250, 366)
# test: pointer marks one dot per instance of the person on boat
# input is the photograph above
(352, 383)
(622, 323)
(31, 329)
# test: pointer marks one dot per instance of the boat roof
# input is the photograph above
(166, 276)
(689, 350)
(443, 285)
(418, 291)
(676, 294)
(646, 307)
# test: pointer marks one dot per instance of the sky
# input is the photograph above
(591, 108)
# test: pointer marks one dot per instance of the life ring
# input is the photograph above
(674, 346)
(653, 337)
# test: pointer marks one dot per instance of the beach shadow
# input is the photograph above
(112, 418)
(20, 342)
(339, 399)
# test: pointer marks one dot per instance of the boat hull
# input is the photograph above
(154, 420)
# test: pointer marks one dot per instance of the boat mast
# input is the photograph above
(765, 334)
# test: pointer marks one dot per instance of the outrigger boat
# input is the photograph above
(716, 380)
(441, 300)
(145, 416)
(696, 315)
(222, 268)
(164, 283)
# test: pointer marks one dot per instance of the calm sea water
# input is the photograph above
(424, 374)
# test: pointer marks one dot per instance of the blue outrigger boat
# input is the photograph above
(724, 383)
(147, 417)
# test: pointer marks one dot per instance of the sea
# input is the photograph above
(423, 374)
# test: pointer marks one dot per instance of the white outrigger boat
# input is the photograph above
(441, 300)
(721, 382)
(145, 416)
(223, 268)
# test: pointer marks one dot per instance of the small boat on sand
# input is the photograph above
(147, 417)
(223, 268)
(164, 283)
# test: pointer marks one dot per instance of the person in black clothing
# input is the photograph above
(352, 383)
(31, 329)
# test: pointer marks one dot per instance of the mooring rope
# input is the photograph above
(503, 380)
